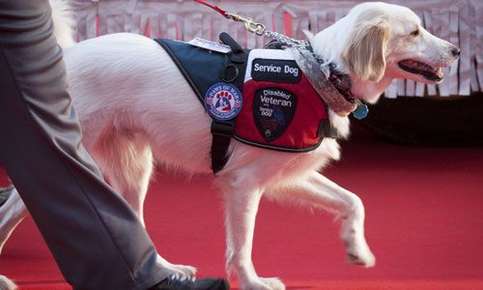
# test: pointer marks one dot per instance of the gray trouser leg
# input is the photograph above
(95, 238)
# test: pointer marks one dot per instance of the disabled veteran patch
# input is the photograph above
(273, 110)
(223, 101)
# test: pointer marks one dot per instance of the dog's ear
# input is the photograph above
(365, 53)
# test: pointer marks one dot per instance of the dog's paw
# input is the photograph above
(360, 254)
(357, 249)
(180, 271)
(274, 283)
(188, 271)
(365, 261)
(7, 284)
(263, 284)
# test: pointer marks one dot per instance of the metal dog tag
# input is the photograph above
(361, 112)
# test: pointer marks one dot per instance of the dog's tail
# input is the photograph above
(63, 22)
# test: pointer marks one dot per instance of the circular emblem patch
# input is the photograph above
(223, 101)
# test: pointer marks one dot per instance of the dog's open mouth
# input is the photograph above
(416, 67)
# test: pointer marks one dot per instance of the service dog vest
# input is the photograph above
(281, 109)
(272, 102)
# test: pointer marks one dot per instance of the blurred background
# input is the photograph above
(416, 161)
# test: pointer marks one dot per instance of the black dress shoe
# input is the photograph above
(5, 194)
(173, 283)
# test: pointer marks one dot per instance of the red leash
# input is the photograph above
(250, 25)
(214, 7)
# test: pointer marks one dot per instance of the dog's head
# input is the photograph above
(385, 41)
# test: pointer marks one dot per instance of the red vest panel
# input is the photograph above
(280, 108)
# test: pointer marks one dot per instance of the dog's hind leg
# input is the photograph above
(126, 160)
(317, 191)
(12, 212)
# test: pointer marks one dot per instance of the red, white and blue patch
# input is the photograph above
(223, 101)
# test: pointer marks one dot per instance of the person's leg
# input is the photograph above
(95, 238)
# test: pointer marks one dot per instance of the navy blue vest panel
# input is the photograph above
(200, 67)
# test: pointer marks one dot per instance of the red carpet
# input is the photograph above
(424, 223)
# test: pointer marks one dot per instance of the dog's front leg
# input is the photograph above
(317, 191)
(241, 206)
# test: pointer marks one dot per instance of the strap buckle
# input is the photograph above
(222, 128)
(231, 73)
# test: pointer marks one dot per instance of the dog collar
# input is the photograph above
(333, 86)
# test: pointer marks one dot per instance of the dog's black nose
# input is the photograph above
(455, 52)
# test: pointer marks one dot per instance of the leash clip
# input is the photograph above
(250, 25)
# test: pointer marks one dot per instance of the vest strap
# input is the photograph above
(223, 131)
(326, 130)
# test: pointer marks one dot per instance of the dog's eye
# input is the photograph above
(415, 33)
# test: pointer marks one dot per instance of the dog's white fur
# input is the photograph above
(136, 109)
